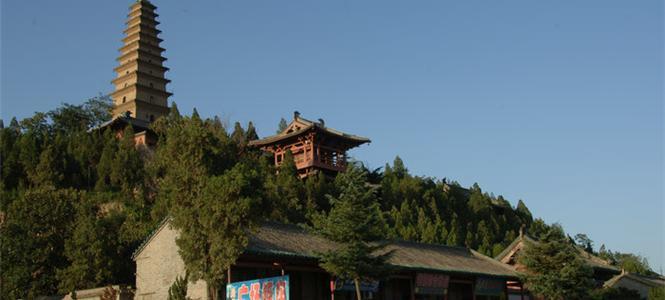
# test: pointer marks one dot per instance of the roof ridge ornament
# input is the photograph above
(296, 115)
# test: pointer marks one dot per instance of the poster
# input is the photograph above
(273, 288)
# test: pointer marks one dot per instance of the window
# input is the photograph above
(152, 118)
(124, 99)
(151, 84)
(151, 99)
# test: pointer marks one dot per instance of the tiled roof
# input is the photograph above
(280, 240)
(650, 281)
(592, 260)
(307, 125)
(293, 241)
(137, 124)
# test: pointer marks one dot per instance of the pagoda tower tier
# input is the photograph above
(315, 147)
(140, 84)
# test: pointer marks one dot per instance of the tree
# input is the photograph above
(32, 241)
(238, 134)
(585, 242)
(556, 271)
(633, 263)
(178, 290)
(214, 226)
(282, 125)
(354, 223)
(94, 251)
(250, 134)
(287, 193)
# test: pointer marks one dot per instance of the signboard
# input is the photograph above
(273, 288)
(431, 284)
(490, 286)
(350, 286)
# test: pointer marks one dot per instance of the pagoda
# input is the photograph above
(140, 95)
(315, 147)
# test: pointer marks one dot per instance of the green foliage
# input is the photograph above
(355, 224)
(214, 224)
(286, 193)
(585, 242)
(32, 241)
(282, 125)
(556, 271)
(90, 198)
(178, 290)
(95, 251)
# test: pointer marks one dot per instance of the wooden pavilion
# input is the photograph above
(315, 147)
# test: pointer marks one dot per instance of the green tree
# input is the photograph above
(214, 226)
(585, 242)
(633, 263)
(178, 290)
(282, 125)
(556, 271)
(126, 170)
(94, 250)
(287, 193)
(354, 223)
(250, 134)
(238, 135)
(32, 241)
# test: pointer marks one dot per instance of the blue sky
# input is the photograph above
(558, 103)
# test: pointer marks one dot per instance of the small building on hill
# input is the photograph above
(421, 271)
(602, 269)
(642, 284)
(314, 146)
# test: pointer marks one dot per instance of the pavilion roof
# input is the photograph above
(650, 281)
(137, 124)
(591, 260)
(291, 241)
(300, 125)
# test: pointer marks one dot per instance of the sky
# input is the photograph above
(558, 103)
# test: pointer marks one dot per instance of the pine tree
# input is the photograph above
(282, 125)
(238, 135)
(250, 134)
(287, 193)
(178, 290)
(127, 166)
(354, 223)
(105, 165)
(214, 225)
(556, 271)
(49, 170)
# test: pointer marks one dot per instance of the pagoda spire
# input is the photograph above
(140, 85)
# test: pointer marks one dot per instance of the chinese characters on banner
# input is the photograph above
(273, 288)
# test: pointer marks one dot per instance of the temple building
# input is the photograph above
(315, 147)
(140, 95)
